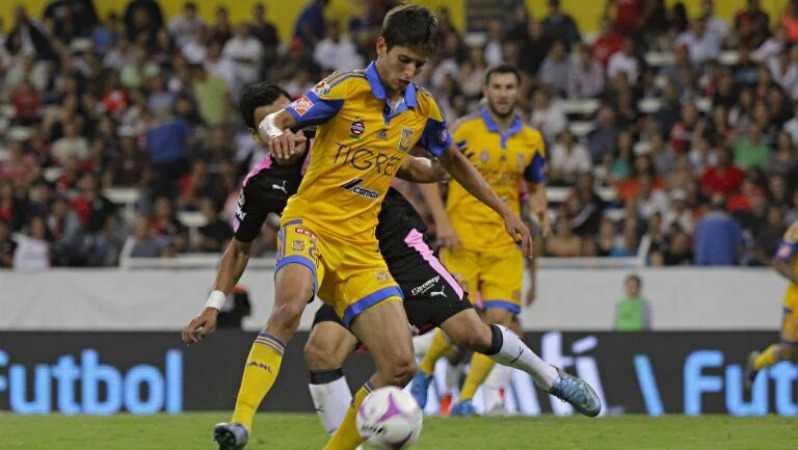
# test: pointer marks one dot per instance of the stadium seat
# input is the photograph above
(660, 59)
(582, 127)
(585, 107)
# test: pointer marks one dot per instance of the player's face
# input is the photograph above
(502, 93)
(261, 112)
(398, 66)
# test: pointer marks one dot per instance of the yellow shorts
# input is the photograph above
(498, 276)
(789, 324)
(350, 276)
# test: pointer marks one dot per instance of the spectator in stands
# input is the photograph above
(547, 116)
(783, 158)
(703, 46)
(493, 48)
(164, 223)
(718, 236)
(649, 200)
(568, 159)
(336, 52)
(714, 23)
(607, 43)
(681, 134)
(214, 235)
(168, 141)
(265, 32)
(33, 248)
(678, 213)
(625, 61)
(212, 95)
(145, 245)
(771, 47)
(750, 150)
(29, 37)
(584, 206)
(310, 27)
(72, 145)
(751, 25)
(221, 30)
(535, 46)
(679, 251)
(246, 53)
(93, 208)
(723, 177)
(585, 75)
(555, 68)
(7, 245)
(789, 20)
(608, 242)
(633, 312)
(564, 244)
(662, 155)
(518, 28)
(184, 26)
(235, 308)
(778, 195)
(768, 237)
(604, 139)
(560, 26)
(18, 168)
(65, 226)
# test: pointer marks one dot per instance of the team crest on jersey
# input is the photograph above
(322, 89)
(443, 136)
(298, 246)
(382, 135)
(356, 129)
(302, 105)
(382, 276)
(405, 139)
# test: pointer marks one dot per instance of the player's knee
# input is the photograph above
(479, 342)
(319, 356)
(286, 315)
(401, 370)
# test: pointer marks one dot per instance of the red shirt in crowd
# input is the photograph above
(722, 181)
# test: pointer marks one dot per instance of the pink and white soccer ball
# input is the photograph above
(389, 418)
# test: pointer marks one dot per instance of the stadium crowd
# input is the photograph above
(666, 129)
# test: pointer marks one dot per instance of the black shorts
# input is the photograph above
(431, 293)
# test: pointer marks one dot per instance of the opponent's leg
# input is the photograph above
(327, 347)
(383, 328)
(294, 285)
(499, 344)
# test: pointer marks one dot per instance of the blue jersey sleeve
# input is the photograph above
(436, 137)
(310, 109)
(536, 170)
(786, 250)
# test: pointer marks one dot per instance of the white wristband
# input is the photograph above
(267, 125)
(216, 300)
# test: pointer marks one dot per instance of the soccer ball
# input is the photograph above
(389, 418)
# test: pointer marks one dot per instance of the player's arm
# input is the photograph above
(782, 260)
(421, 170)
(467, 175)
(535, 176)
(784, 269)
(444, 231)
(231, 267)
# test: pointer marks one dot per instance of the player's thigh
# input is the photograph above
(384, 329)
(464, 265)
(789, 324)
(299, 269)
(501, 279)
(329, 342)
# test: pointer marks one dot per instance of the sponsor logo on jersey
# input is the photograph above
(354, 186)
(382, 135)
(357, 128)
(322, 88)
(405, 139)
(426, 286)
(302, 105)
(365, 159)
(443, 136)
(298, 246)
(305, 232)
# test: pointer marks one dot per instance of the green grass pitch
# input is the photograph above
(303, 431)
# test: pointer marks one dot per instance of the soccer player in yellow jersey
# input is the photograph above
(475, 249)
(367, 122)
(786, 264)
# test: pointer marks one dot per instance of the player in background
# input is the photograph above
(432, 297)
(505, 151)
(786, 264)
(367, 123)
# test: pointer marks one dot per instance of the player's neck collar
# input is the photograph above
(378, 89)
(515, 127)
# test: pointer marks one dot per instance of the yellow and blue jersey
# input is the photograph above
(361, 141)
(788, 249)
(504, 160)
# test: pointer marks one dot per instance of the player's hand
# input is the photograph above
(286, 145)
(446, 235)
(200, 326)
(530, 296)
(520, 234)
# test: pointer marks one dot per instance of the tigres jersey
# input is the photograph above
(504, 160)
(360, 143)
(788, 250)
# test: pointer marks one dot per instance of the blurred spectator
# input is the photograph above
(167, 141)
(604, 139)
(650, 200)
(607, 43)
(535, 46)
(337, 52)
(184, 26)
(246, 53)
(585, 75)
(555, 68)
(221, 29)
(609, 243)
(714, 24)
(625, 61)
(265, 32)
(718, 236)
(789, 20)
(584, 206)
(69, 19)
(547, 116)
(563, 244)
(568, 159)
(723, 177)
(93, 208)
(493, 48)
(768, 237)
(520, 20)
(235, 308)
(628, 14)
(33, 249)
(783, 158)
(17, 169)
(560, 26)
(633, 312)
(164, 223)
(29, 37)
(214, 235)
(213, 99)
(751, 24)
(7, 245)
(703, 45)
(678, 214)
(679, 251)
(72, 145)
(750, 152)
(310, 26)
(772, 46)
(145, 245)
(142, 19)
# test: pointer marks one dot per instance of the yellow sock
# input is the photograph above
(263, 365)
(346, 437)
(767, 358)
(481, 366)
(437, 348)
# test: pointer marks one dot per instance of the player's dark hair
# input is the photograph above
(256, 95)
(501, 69)
(411, 26)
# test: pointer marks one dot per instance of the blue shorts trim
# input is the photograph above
(355, 309)
(292, 222)
(501, 304)
(298, 259)
(790, 343)
(787, 310)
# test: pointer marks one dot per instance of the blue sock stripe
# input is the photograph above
(369, 386)
(279, 350)
(266, 335)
